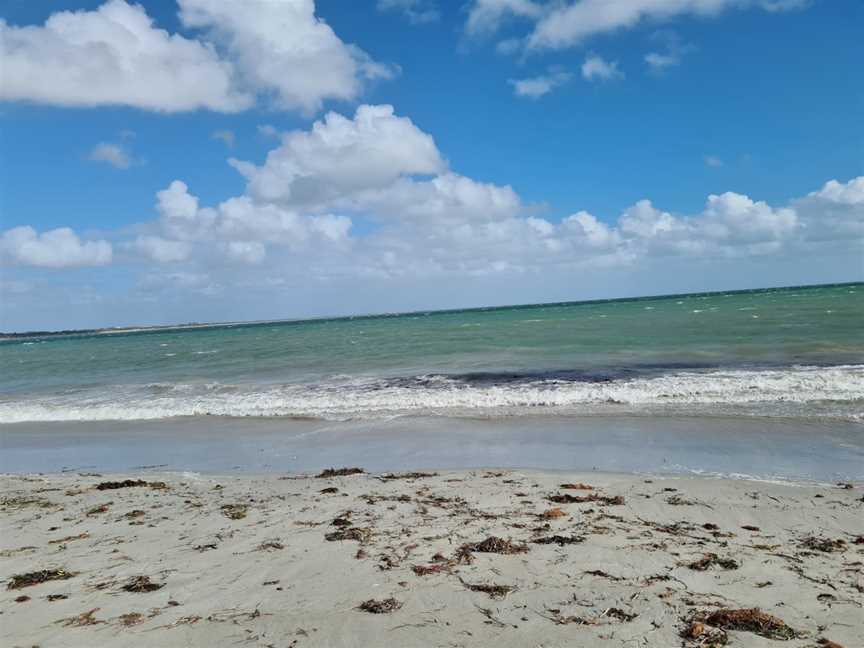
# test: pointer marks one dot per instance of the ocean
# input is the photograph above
(787, 352)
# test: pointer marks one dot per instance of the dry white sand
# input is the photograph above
(619, 574)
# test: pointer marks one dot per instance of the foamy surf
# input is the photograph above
(800, 391)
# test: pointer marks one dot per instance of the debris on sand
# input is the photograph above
(129, 483)
(98, 510)
(825, 545)
(25, 502)
(340, 472)
(270, 545)
(750, 527)
(234, 511)
(677, 500)
(408, 475)
(34, 578)
(436, 568)
(602, 500)
(384, 606)
(489, 545)
(494, 591)
(83, 619)
(80, 536)
(329, 491)
(552, 513)
(131, 619)
(577, 486)
(360, 534)
(342, 521)
(142, 584)
(827, 643)
(750, 620)
(705, 636)
(710, 560)
(621, 615)
(559, 540)
(57, 597)
(22, 599)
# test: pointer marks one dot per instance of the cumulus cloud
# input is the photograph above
(713, 161)
(340, 156)
(162, 250)
(283, 49)
(57, 248)
(115, 55)
(596, 68)
(536, 87)
(114, 154)
(416, 11)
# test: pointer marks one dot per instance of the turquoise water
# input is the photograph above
(791, 351)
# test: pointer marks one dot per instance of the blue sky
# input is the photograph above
(758, 100)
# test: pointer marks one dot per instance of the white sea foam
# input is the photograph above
(802, 390)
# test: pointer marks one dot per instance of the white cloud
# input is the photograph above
(486, 16)
(569, 24)
(713, 161)
(596, 68)
(115, 55)
(162, 250)
(226, 136)
(340, 156)
(674, 50)
(57, 248)
(536, 87)
(267, 130)
(113, 154)
(283, 49)
(416, 11)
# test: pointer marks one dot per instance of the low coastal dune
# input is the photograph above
(467, 558)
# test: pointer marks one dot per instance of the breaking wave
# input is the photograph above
(802, 391)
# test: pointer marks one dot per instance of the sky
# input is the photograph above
(208, 160)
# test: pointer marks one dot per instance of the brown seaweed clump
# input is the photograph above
(489, 545)
(552, 513)
(360, 534)
(603, 500)
(559, 540)
(340, 472)
(384, 606)
(35, 578)
(141, 584)
(494, 591)
(234, 511)
(710, 560)
(577, 486)
(704, 635)
(825, 545)
(751, 620)
(129, 483)
(408, 475)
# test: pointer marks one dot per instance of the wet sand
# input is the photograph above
(454, 558)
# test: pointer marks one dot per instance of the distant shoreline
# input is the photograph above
(114, 330)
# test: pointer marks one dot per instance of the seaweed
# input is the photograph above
(141, 584)
(270, 545)
(339, 472)
(493, 591)
(329, 491)
(131, 619)
(552, 513)
(83, 619)
(408, 475)
(22, 599)
(606, 500)
(825, 545)
(704, 635)
(35, 578)
(384, 606)
(491, 545)
(234, 511)
(577, 486)
(129, 483)
(360, 534)
(751, 620)
(710, 560)
(621, 615)
(559, 540)
(57, 597)
(80, 536)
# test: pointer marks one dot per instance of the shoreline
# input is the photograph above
(468, 557)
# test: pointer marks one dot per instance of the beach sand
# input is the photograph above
(469, 558)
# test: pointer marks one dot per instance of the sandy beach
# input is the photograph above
(447, 558)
